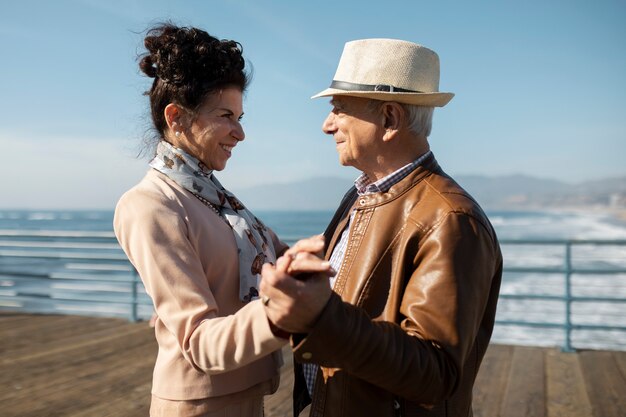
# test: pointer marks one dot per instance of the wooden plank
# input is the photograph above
(135, 403)
(12, 330)
(82, 366)
(566, 392)
(525, 392)
(620, 358)
(61, 370)
(606, 386)
(83, 393)
(280, 403)
(30, 335)
(492, 380)
(94, 379)
(12, 320)
(77, 341)
(62, 363)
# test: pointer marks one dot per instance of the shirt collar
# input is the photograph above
(364, 185)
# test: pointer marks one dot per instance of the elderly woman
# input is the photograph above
(198, 250)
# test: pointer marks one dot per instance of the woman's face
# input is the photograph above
(216, 129)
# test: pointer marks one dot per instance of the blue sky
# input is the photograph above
(540, 88)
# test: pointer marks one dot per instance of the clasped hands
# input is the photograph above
(291, 304)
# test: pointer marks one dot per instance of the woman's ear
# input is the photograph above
(173, 116)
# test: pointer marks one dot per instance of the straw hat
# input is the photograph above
(389, 70)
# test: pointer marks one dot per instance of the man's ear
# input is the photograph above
(393, 117)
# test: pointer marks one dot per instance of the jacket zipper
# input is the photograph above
(396, 408)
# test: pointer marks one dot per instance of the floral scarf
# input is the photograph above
(252, 237)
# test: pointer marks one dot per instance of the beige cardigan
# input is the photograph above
(210, 343)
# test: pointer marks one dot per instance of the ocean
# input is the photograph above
(95, 286)
(290, 226)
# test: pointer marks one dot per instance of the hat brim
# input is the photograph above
(420, 99)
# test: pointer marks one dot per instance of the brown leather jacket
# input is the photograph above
(414, 304)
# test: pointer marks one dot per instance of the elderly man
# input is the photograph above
(418, 266)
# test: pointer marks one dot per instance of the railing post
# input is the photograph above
(133, 307)
(567, 347)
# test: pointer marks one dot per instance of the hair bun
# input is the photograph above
(147, 66)
(182, 56)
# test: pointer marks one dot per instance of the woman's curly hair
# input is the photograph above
(188, 64)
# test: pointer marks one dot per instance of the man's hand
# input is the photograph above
(313, 245)
(294, 304)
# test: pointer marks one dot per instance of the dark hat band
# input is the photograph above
(344, 85)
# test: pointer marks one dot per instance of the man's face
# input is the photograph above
(357, 130)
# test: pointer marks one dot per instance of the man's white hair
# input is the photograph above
(419, 118)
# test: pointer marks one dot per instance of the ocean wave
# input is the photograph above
(11, 215)
(39, 216)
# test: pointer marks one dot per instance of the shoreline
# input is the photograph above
(617, 215)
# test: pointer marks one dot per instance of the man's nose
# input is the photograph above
(328, 126)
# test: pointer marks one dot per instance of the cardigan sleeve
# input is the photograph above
(153, 231)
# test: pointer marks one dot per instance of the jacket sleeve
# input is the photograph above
(153, 233)
(421, 357)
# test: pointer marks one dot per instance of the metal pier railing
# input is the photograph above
(69, 272)
(87, 273)
(589, 266)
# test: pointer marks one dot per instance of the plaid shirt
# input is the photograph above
(364, 186)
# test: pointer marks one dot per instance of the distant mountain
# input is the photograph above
(512, 191)
(521, 191)
(608, 185)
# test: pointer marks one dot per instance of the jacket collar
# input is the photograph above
(427, 167)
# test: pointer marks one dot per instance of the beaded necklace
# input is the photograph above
(210, 205)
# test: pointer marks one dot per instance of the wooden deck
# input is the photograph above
(92, 367)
